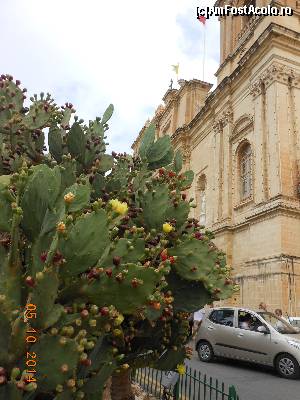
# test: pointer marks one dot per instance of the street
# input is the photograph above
(252, 382)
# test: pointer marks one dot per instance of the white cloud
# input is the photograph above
(92, 53)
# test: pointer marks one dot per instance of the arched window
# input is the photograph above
(201, 197)
(245, 170)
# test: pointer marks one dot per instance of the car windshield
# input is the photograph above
(280, 324)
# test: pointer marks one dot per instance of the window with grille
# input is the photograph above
(246, 171)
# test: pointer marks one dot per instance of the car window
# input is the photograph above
(222, 317)
(248, 321)
(280, 324)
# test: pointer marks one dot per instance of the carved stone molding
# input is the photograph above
(241, 126)
(275, 72)
(186, 153)
(226, 117)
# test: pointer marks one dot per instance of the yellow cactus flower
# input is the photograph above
(167, 228)
(69, 197)
(181, 369)
(118, 321)
(118, 206)
(61, 227)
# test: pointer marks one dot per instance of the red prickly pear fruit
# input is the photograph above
(161, 171)
(171, 174)
(116, 260)
(183, 196)
(156, 305)
(109, 272)
(84, 313)
(198, 235)
(172, 260)
(164, 255)
(104, 311)
(57, 257)
(30, 281)
(134, 283)
(93, 273)
(87, 362)
(3, 380)
(2, 371)
(43, 256)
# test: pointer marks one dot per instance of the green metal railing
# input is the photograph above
(191, 386)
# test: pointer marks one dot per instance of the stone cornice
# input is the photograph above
(275, 72)
(266, 211)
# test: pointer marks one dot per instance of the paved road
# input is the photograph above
(252, 382)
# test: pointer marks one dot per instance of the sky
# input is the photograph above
(93, 52)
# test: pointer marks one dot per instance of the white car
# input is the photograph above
(259, 337)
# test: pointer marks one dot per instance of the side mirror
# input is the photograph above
(263, 329)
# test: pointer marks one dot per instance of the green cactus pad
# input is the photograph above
(37, 117)
(51, 355)
(163, 162)
(178, 161)
(6, 212)
(95, 385)
(43, 296)
(107, 114)
(98, 185)
(55, 143)
(147, 141)
(180, 213)
(106, 163)
(68, 173)
(127, 256)
(188, 177)
(84, 244)
(82, 196)
(192, 254)
(50, 180)
(76, 142)
(159, 149)
(154, 207)
(188, 296)
(17, 340)
(122, 295)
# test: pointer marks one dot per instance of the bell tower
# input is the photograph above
(238, 33)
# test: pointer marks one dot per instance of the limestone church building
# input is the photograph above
(242, 141)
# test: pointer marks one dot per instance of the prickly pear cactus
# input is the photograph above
(99, 261)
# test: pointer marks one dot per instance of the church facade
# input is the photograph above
(242, 141)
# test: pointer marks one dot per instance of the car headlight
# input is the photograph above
(294, 344)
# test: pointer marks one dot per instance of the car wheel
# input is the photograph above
(287, 366)
(205, 352)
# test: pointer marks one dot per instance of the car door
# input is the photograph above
(220, 330)
(251, 345)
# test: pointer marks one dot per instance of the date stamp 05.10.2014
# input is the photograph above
(31, 337)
